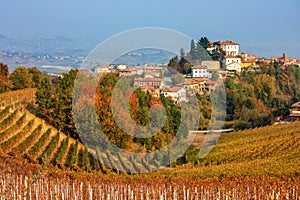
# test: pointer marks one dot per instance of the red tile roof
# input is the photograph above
(200, 79)
(210, 82)
(248, 61)
(190, 82)
(231, 57)
(228, 42)
(173, 89)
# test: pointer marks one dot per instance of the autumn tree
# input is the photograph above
(21, 78)
(36, 75)
(5, 83)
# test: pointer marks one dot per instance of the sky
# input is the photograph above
(264, 27)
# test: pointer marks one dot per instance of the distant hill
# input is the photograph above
(145, 56)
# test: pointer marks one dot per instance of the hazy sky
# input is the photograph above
(266, 27)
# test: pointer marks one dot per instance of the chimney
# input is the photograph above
(284, 57)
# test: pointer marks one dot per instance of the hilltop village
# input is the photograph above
(202, 78)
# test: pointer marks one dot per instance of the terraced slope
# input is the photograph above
(23, 135)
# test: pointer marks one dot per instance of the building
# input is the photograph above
(248, 63)
(211, 85)
(151, 90)
(191, 86)
(121, 66)
(127, 72)
(201, 84)
(232, 63)
(211, 64)
(153, 82)
(101, 69)
(177, 94)
(230, 48)
(295, 111)
(201, 71)
(155, 71)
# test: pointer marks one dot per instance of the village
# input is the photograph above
(204, 77)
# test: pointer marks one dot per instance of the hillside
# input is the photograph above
(267, 151)
(23, 135)
(260, 163)
(270, 150)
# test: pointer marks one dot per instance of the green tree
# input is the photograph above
(21, 78)
(215, 76)
(173, 62)
(217, 53)
(265, 87)
(177, 79)
(64, 92)
(193, 50)
(204, 42)
(44, 97)
(36, 76)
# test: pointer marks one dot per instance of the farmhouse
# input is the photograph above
(295, 111)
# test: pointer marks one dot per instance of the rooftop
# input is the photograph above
(210, 82)
(200, 67)
(190, 82)
(173, 89)
(228, 42)
(296, 105)
(148, 79)
(231, 57)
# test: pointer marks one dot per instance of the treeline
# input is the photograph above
(139, 111)
(20, 78)
(55, 105)
(256, 98)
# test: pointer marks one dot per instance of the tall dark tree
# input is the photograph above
(5, 84)
(193, 50)
(204, 42)
(64, 92)
(217, 54)
(44, 98)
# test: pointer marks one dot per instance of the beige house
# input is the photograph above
(154, 82)
(177, 94)
(295, 111)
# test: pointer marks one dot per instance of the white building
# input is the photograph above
(201, 71)
(230, 48)
(177, 94)
(121, 66)
(101, 69)
(232, 63)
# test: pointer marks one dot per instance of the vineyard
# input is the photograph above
(37, 161)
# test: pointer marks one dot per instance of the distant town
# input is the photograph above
(204, 77)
